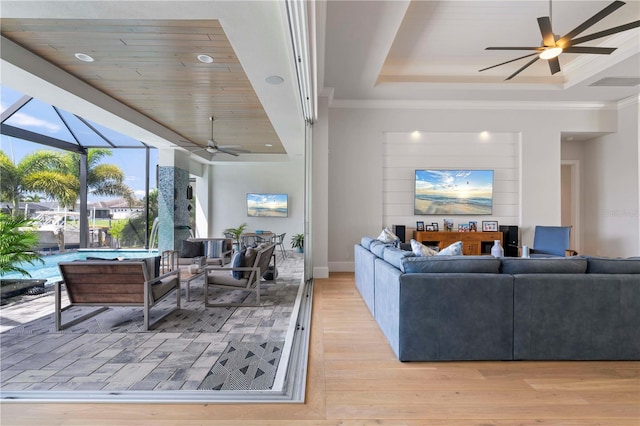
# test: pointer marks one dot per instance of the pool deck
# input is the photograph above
(34, 357)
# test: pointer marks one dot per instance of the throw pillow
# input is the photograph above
(420, 249)
(249, 259)
(192, 249)
(454, 249)
(386, 236)
(236, 262)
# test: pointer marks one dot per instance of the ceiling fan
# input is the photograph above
(213, 148)
(553, 45)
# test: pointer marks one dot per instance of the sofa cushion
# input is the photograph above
(451, 264)
(420, 249)
(377, 247)
(366, 242)
(386, 236)
(394, 256)
(213, 248)
(454, 249)
(557, 265)
(192, 248)
(600, 265)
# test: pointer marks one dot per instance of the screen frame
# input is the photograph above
(272, 214)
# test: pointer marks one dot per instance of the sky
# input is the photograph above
(41, 118)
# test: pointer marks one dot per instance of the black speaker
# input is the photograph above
(510, 239)
(400, 231)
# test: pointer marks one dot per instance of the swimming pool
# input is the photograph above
(51, 273)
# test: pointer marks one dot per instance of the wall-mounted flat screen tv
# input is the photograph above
(449, 192)
(267, 205)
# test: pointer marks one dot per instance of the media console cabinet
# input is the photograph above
(473, 243)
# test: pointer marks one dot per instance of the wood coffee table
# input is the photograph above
(186, 277)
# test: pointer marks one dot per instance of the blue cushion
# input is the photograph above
(556, 265)
(451, 264)
(378, 247)
(236, 262)
(366, 242)
(394, 256)
(601, 265)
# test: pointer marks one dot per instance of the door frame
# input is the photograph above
(574, 166)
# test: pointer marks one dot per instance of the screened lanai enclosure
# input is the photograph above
(83, 184)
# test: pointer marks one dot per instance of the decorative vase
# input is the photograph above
(497, 250)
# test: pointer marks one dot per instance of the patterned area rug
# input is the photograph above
(192, 317)
(245, 365)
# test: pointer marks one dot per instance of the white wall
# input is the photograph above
(357, 157)
(611, 182)
(406, 152)
(229, 185)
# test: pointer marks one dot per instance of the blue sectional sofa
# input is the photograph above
(484, 308)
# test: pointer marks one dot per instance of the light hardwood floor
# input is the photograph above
(354, 379)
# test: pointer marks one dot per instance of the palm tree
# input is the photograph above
(62, 183)
(16, 179)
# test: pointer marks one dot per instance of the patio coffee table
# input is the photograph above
(186, 277)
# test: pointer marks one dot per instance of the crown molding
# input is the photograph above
(483, 105)
(631, 100)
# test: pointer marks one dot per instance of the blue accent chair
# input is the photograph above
(551, 241)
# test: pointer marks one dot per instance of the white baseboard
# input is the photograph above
(320, 272)
(341, 267)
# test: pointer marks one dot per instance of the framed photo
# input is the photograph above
(420, 226)
(435, 226)
(489, 225)
(430, 228)
(473, 226)
(463, 227)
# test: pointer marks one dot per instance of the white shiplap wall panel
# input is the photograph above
(405, 152)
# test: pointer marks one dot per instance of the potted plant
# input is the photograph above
(236, 233)
(17, 242)
(297, 242)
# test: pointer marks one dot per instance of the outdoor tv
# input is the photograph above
(267, 205)
(451, 192)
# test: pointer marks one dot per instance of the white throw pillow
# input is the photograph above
(387, 236)
(420, 249)
(454, 249)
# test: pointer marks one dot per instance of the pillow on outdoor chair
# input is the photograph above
(192, 248)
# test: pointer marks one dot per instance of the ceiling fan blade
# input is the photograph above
(591, 21)
(604, 33)
(515, 48)
(554, 65)
(548, 38)
(523, 68)
(225, 151)
(591, 50)
(508, 62)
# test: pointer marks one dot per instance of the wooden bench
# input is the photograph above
(107, 283)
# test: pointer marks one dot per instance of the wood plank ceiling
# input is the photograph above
(152, 66)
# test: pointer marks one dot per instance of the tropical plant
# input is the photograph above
(131, 232)
(16, 179)
(17, 244)
(236, 233)
(297, 242)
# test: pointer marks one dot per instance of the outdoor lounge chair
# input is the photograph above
(107, 283)
(245, 276)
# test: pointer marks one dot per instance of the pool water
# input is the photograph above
(49, 270)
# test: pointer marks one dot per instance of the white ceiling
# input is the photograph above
(432, 50)
(370, 51)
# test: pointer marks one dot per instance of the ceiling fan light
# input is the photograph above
(551, 52)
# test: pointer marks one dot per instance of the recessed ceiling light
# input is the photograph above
(205, 59)
(274, 79)
(268, 144)
(83, 57)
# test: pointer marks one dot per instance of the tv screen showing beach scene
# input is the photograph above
(449, 192)
(267, 205)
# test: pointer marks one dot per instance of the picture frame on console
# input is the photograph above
(489, 225)
(430, 228)
(435, 226)
(420, 226)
